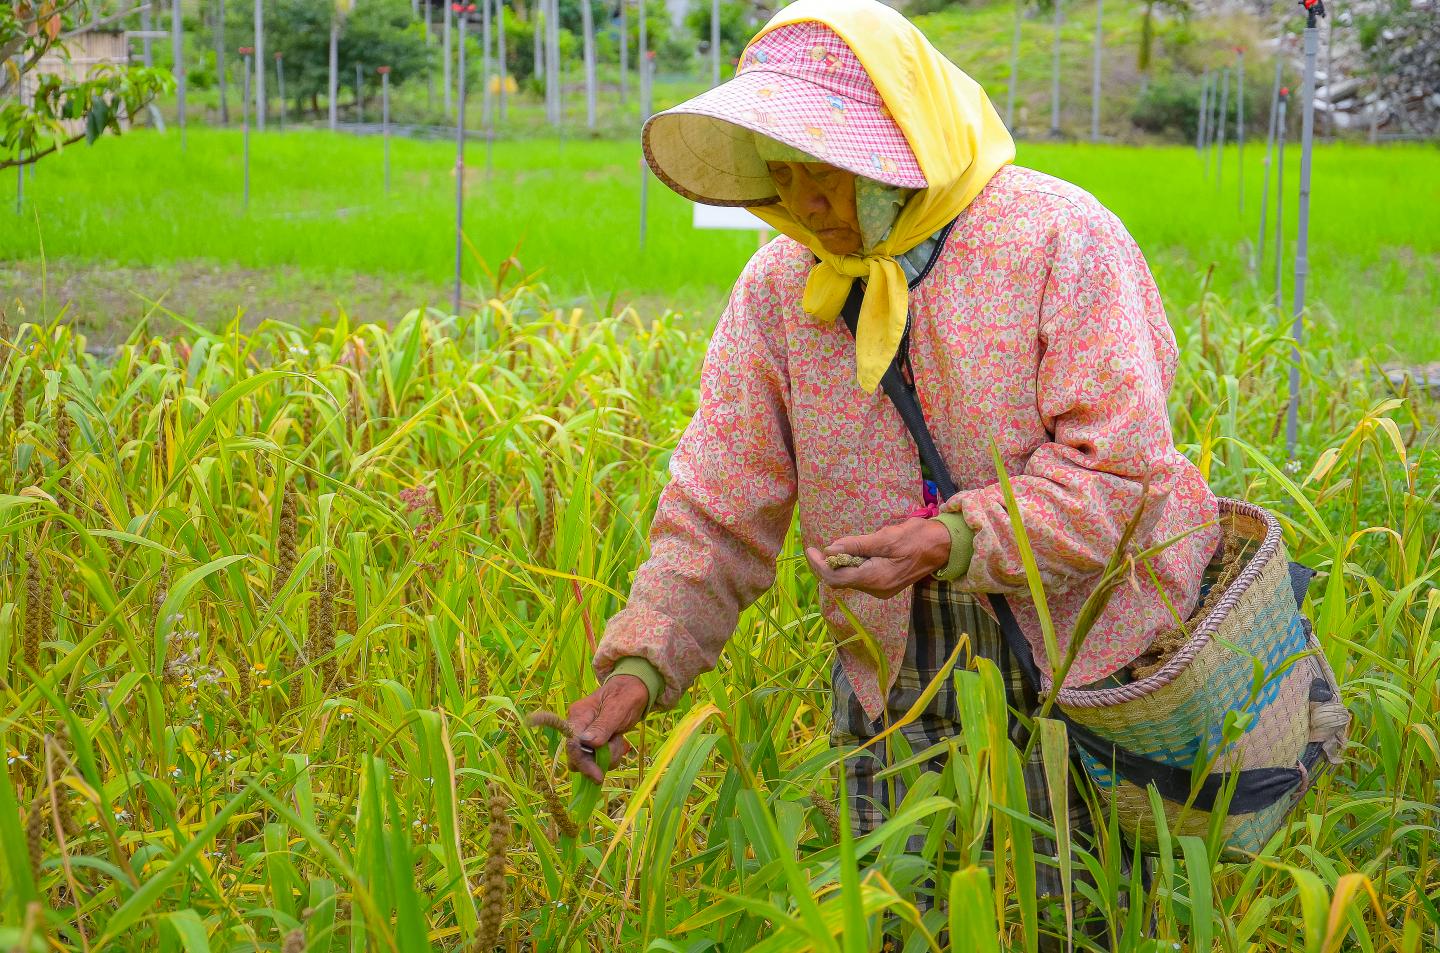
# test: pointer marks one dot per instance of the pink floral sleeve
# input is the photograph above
(1107, 358)
(721, 521)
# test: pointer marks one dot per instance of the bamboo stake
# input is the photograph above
(1055, 73)
(220, 84)
(384, 72)
(1095, 74)
(177, 50)
(587, 26)
(259, 70)
(1314, 10)
(1265, 185)
(1222, 120)
(245, 52)
(460, 10)
(1204, 119)
(1240, 122)
(1014, 68)
(1280, 202)
(500, 55)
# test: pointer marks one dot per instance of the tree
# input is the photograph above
(1145, 53)
(737, 25)
(376, 33)
(36, 126)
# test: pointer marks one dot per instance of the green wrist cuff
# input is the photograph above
(962, 547)
(643, 669)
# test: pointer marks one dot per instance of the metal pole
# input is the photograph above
(334, 70)
(537, 57)
(280, 84)
(1330, 79)
(445, 70)
(644, 61)
(1014, 68)
(19, 169)
(220, 62)
(1280, 203)
(148, 57)
(1240, 122)
(460, 162)
(259, 71)
(552, 60)
(177, 50)
(500, 55)
(1269, 148)
(429, 63)
(1095, 77)
(485, 64)
(385, 120)
(715, 42)
(245, 53)
(624, 51)
(1314, 10)
(1223, 121)
(587, 21)
(1204, 118)
(359, 101)
(1055, 74)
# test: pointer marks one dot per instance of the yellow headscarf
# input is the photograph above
(957, 137)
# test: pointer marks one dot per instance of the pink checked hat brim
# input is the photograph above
(704, 148)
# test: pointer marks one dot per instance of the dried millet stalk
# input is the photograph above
(62, 454)
(492, 909)
(162, 589)
(354, 416)
(34, 832)
(56, 752)
(30, 652)
(492, 509)
(827, 811)
(482, 676)
(548, 719)
(162, 451)
(322, 631)
(285, 544)
(17, 404)
(554, 805)
(547, 521)
(244, 681)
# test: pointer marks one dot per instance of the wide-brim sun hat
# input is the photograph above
(799, 84)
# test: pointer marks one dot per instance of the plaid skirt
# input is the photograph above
(942, 615)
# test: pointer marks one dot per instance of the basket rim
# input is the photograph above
(1270, 544)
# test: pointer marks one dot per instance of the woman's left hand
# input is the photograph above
(896, 558)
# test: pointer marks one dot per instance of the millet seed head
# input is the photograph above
(548, 719)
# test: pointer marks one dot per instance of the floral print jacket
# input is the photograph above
(1039, 331)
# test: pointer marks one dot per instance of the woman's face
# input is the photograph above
(821, 198)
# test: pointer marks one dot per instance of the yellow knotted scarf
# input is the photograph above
(957, 137)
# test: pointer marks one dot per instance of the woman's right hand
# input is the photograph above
(602, 718)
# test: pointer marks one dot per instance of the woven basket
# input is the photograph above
(1296, 721)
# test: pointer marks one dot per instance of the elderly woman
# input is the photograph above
(1029, 324)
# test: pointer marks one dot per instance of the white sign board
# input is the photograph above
(717, 216)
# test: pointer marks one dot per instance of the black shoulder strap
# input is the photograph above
(1254, 790)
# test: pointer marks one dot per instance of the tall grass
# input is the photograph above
(209, 752)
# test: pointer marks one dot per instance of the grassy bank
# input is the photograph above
(570, 212)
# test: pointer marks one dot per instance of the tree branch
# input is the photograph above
(27, 160)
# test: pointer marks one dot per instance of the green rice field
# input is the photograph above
(569, 212)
